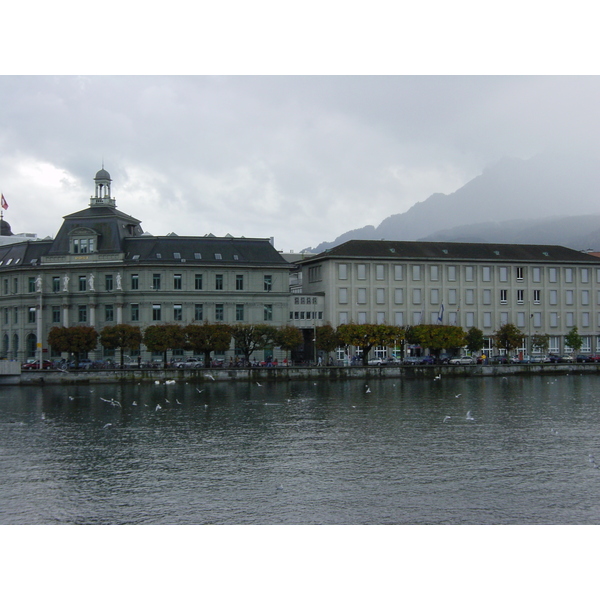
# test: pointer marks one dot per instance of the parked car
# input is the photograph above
(499, 359)
(594, 358)
(538, 359)
(412, 360)
(553, 358)
(35, 364)
(191, 363)
(567, 358)
(376, 362)
(427, 360)
(583, 358)
(462, 360)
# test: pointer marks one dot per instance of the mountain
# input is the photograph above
(546, 199)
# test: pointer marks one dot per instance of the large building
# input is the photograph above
(540, 289)
(102, 269)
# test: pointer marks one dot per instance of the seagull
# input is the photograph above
(134, 403)
(71, 398)
(157, 382)
(368, 390)
(458, 395)
(447, 418)
(469, 417)
(107, 426)
(158, 407)
(210, 376)
(177, 401)
(43, 416)
(437, 377)
(167, 401)
(259, 384)
(169, 382)
(199, 391)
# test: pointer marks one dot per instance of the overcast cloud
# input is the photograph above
(300, 159)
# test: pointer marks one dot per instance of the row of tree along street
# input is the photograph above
(210, 338)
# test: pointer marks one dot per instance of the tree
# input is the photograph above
(73, 340)
(438, 337)
(508, 337)
(540, 341)
(327, 338)
(474, 339)
(121, 336)
(207, 338)
(161, 338)
(288, 337)
(368, 335)
(574, 340)
(249, 338)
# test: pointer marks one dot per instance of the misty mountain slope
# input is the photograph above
(513, 189)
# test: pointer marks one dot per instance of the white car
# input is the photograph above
(462, 360)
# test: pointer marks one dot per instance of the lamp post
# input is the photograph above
(39, 348)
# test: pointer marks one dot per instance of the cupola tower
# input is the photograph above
(102, 197)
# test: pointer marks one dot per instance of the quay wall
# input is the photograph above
(288, 373)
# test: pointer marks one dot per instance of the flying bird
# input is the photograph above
(470, 417)
(210, 376)
(158, 407)
(447, 418)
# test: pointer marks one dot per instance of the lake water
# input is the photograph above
(340, 452)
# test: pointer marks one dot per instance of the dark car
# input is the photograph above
(499, 360)
(583, 358)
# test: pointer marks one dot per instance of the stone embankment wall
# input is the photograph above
(289, 373)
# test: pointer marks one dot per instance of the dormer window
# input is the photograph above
(83, 241)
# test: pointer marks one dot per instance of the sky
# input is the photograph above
(301, 159)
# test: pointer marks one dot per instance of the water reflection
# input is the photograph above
(347, 452)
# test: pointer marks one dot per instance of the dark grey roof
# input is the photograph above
(102, 174)
(442, 251)
(112, 225)
(202, 250)
(23, 254)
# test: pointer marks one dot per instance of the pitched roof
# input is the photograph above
(452, 251)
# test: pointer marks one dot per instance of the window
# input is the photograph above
(361, 271)
(568, 275)
(197, 255)
(361, 295)
(239, 312)
(82, 283)
(198, 281)
(56, 314)
(6, 286)
(268, 283)
(452, 296)
(31, 314)
(416, 296)
(553, 319)
(503, 296)
(520, 296)
(470, 319)
(585, 319)
(503, 274)
(56, 284)
(198, 312)
(552, 276)
(537, 319)
(486, 273)
(434, 272)
(218, 256)
(451, 273)
(219, 312)
(470, 296)
(585, 275)
(219, 281)
(487, 296)
(416, 272)
(343, 318)
(434, 296)
(379, 272)
(570, 319)
(82, 313)
(342, 271)
(520, 319)
(503, 318)
(380, 296)
(398, 296)
(519, 273)
(177, 255)
(109, 312)
(380, 317)
(135, 282)
(399, 318)
(16, 315)
(156, 281)
(585, 297)
(239, 282)
(416, 317)
(31, 285)
(177, 281)
(469, 273)
(177, 312)
(6, 316)
(156, 312)
(268, 312)
(15, 285)
(553, 297)
(342, 296)
(536, 296)
(135, 312)
(536, 274)
(108, 283)
(569, 297)
(362, 318)
(398, 273)
(487, 320)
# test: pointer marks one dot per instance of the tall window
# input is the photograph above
(198, 312)
(135, 312)
(198, 281)
(503, 296)
(342, 271)
(361, 271)
(31, 285)
(239, 282)
(398, 272)
(56, 284)
(135, 282)
(268, 312)
(31, 314)
(519, 273)
(536, 296)
(56, 314)
(82, 313)
(177, 312)
(108, 283)
(520, 296)
(109, 312)
(156, 312)
(219, 312)
(218, 282)
(156, 281)
(177, 281)
(268, 283)
(82, 283)
(239, 312)
(379, 272)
